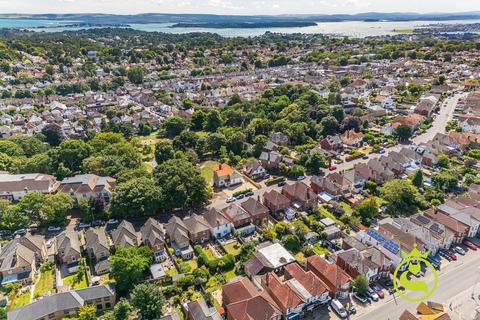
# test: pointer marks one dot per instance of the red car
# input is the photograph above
(333, 168)
(470, 245)
(452, 255)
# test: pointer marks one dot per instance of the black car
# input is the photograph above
(249, 194)
(360, 297)
(281, 183)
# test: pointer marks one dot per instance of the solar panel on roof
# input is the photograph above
(423, 219)
(375, 235)
(436, 228)
(391, 246)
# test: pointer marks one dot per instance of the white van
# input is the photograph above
(339, 309)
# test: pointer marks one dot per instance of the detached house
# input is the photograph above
(257, 211)
(254, 170)
(68, 249)
(240, 219)
(198, 228)
(352, 139)
(125, 235)
(96, 243)
(153, 236)
(332, 143)
(276, 201)
(225, 176)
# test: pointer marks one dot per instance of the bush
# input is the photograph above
(274, 180)
(185, 282)
(242, 192)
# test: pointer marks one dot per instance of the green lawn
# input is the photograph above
(324, 212)
(74, 283)
(20, 300)
(300, 257)
(210, 255)
(44, 284)
(319, 249)
(229, 275)
(172, 271)
(233, 248)
(207, 171)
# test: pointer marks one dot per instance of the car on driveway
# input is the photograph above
(53, 229)
(470, 245)
(113, 221)
(375, 287)
(372, 294)
(459, 250)
(20, 232)
(452, 255)
(281, 183)
(231, 199)
(240, 196)
(365, 157)
(360, 297)
(332, 168)
(300, 178)
(249, 194)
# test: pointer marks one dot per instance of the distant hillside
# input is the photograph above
(227, 21)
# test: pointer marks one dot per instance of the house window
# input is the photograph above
(99, 307)
(108, 305)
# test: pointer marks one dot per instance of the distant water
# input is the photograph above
(358, 29)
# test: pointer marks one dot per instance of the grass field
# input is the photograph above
(233, 248)
(44, 284)
(319, 249)
(324, 212)
(229, 275)
(207, 171)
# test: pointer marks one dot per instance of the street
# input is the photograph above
(445, 114)
(456, 278)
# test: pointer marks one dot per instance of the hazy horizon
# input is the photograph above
(233, 7)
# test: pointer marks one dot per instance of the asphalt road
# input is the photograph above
(454, 279)
(445, 114)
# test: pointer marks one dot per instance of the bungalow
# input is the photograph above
(257, 211)
(337, 281)
(125, 235)
(268, 257)
(96, 244)
(412, 120)
(152, 235)
(243, 301)
(225, 176)
(301, 195)
(276, 201)
(352, 139)
(220, 225)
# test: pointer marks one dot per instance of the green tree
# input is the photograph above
(123, 310)
(443, 161)
(164, 150)
(213, 120)
(402, 197)
(30, 145)
(181, 184)
(292, 242)
(148, 299)
(367, 210)
(10, 148)
(53, 134)
(174, 125)
(73, 152)
(137, 197)
(135, 75)
(32, 204)
(403, 132)
(417, 179)
(329, 125)
(360, 284)
(87, 312)
(55, 207)
(129, 266)
(315, 162)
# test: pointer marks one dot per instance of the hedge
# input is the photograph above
(274, 180)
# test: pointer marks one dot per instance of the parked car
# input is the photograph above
(339, 308)
(53, 229)
(84, 226)
(113, 221)
(470, 245)
(281, 183)
(360, 297)
(98, 223)
(365, 157)
(332, 168)
(267, 176)
(459, 250)
(452, 255)
(388, 283)
(445, 255)
(352, 309)
(375, 287)
(382, 151)
(231, 199)
(249, 194)
(49, 243)
(20, 232)
(240, 196)
(300, 178)
(372, 294)
(5, 233)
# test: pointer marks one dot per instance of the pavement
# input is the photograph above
(441, 119)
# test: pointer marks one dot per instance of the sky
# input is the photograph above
(236, 7)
